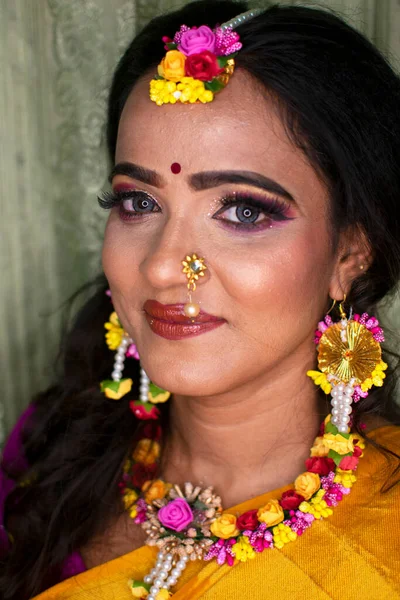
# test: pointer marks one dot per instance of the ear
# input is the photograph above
(354, 257)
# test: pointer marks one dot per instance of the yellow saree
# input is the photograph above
(354, 554)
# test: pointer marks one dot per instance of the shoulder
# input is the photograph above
(379, 469)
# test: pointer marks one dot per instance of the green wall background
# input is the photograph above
(56, 59)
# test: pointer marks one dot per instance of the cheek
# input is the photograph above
(272, 286)
(119, 256)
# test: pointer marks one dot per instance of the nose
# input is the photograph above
(163, 266)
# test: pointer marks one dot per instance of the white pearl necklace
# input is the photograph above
(165, 574)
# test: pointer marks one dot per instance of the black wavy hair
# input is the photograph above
(339, 101)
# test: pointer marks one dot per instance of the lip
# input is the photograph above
(170, 322)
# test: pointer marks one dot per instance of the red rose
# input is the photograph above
(152, 430)
(320, 464)
(141, 473)
(357, 451)
(144, 410)
(291, 500)
(202, 66)
(248, 520)
(349, 463)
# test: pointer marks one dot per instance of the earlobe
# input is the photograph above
(354, 259)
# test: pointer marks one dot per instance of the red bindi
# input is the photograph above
(176, 168)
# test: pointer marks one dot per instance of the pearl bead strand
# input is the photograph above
(144, 386)
(119, 361)
(342, 398)
(165, 574)
(239, 20)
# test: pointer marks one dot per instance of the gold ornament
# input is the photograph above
(193, 268)
(349, 352)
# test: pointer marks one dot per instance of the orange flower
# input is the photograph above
(172, 66)
(146, 452)
(271, 514)
(225, 527)
(155, 490)
(307, 484)
(319, 448)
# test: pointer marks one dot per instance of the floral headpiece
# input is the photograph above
(199, 62)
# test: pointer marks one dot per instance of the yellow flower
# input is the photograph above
(116, 389)
(271, 514)
(321, 380)
(138, 590)
(155, 490)
(172, 66)
(129, 497)
(319, 448)
(147, 451)
(317, 506)
(163, 594)
(346, 478)
(115, 332)
(307, 484)
(225, 527)
(283, 535)
(188, 91)
(133, 511)
(377, 377)
(243, 550)
(338, 443)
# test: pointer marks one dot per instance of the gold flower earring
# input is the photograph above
(350, 361)
(193, 268)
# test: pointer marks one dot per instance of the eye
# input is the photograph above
(139, 203)
(243, 214)
(132, 204)
(242, 211)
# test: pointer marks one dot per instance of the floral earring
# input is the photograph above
(117, 387)
(350, 362)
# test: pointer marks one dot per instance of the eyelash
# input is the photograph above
(275, 210)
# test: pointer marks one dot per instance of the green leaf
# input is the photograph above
(331, 428)
(222, 61)
(138, 584)
(155, 390)
(110, 384)
(171, 46)
(336, 457)
(214, 86)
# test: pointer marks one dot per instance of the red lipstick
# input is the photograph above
(170, 322)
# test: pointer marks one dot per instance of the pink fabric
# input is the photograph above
(13, 456)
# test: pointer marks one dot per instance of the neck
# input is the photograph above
(245, 442)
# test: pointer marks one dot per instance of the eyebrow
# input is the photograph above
(210, 179)
(204, 180)
(136, 172)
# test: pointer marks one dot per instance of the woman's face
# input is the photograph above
(248, 202)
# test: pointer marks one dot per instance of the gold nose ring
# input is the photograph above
(193, 268)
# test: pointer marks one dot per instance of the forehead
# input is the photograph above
(239, 129)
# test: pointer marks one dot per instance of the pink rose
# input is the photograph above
(195, 41)
(176, 515)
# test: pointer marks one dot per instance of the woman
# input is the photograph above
(254, 192)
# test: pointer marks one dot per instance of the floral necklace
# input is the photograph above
(189, 523)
